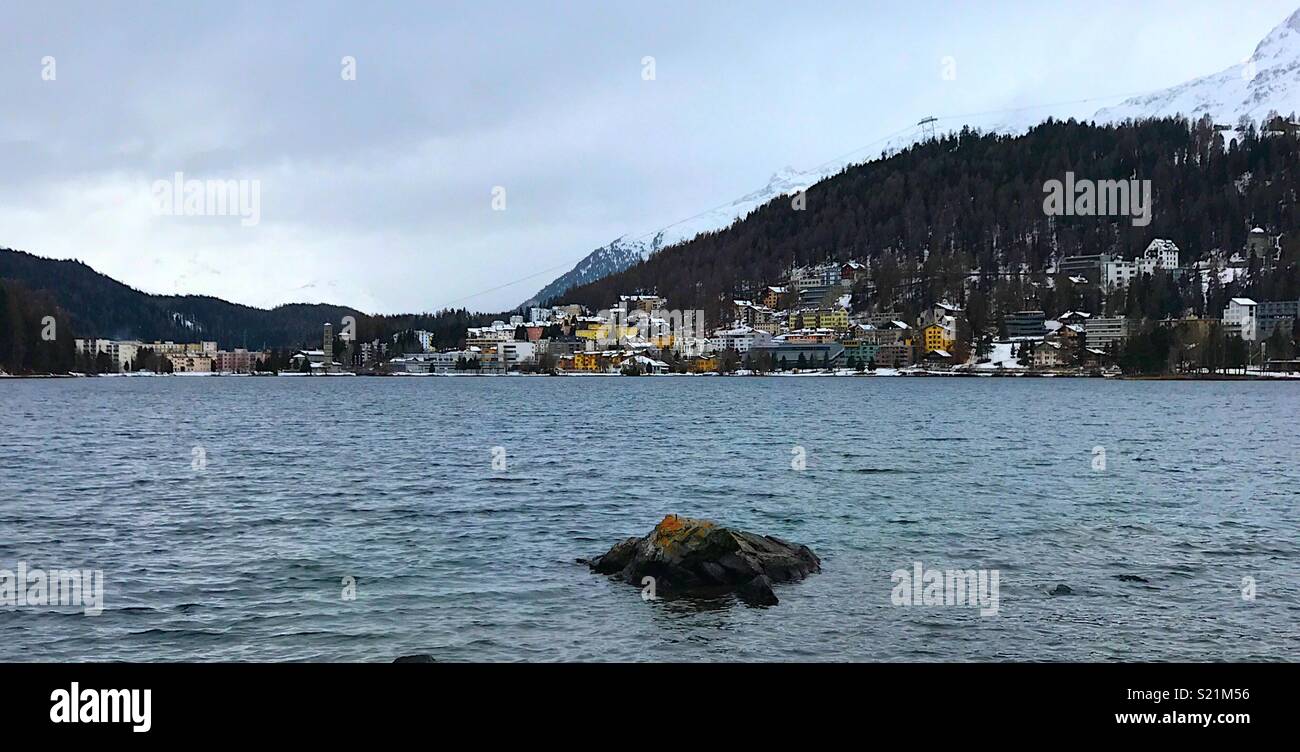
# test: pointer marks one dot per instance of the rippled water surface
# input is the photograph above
(391, 481)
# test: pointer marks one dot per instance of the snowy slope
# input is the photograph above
(1268, 81)
(625, 251)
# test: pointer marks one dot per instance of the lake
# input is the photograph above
(362, 519)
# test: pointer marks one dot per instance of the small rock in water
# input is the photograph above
(1061, 590)
(420, 658)
(1130, 578)
(697, 557)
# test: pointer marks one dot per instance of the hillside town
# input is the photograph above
(808, 323)
(821, 319)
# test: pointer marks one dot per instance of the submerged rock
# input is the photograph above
(697, 557)
(418, 658)
(1130, 578)
(1061, 590)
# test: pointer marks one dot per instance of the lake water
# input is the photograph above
(238, 550)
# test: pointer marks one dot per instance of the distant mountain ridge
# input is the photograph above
(102, 307)
(624, 252)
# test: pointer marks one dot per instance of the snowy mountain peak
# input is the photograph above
(1269, 80)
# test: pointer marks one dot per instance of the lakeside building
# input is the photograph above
(741, 339)
(560, 346)
(894, 355)
(450, 361)
(612, 361)
(1271, 315)
(509, 355)
(1100, 331)
(861, 351)
(815, 355)
(184, 357)
(238, 360)
(1239, 318)
(318, 361)
(121, 352)
(1048, 354)
(935, 337)
(190, 363)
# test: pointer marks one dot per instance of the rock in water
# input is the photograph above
(698, 557)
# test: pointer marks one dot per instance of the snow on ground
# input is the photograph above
(1000, 356)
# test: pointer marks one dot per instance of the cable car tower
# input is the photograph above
(927, 128)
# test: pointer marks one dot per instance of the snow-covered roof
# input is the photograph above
(1244, 301)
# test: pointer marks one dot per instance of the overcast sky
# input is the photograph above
(378, 192)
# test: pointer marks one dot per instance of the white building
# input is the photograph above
(423, 338)
(1163, 253)
(1240, 318)
(514, 353)
(1100, 331)
(740, 339)
(121, 352)
(1118, 273)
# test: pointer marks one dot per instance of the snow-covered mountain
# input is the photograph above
(625, 251)
(1267, 81)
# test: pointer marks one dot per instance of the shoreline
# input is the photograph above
(882, 373)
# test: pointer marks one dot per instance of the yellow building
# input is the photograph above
(824, 318)
(586, 361)
(773, 297)
(703, 365)
(935, 338)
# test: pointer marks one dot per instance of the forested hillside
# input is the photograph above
(934, 214)
(99, 306)
(87, 304)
